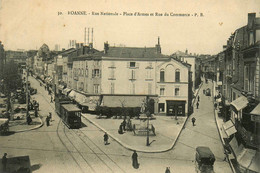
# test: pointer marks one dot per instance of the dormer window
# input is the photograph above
(132, 64)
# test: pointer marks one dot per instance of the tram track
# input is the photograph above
(103, 153)
(68, 141)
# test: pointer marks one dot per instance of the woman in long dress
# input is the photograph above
(135, 161)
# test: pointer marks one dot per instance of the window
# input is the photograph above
(162, 91)
(96, 73)
(246, 78)
(132, 64)
(149, 88)
(177, 75)
(132, 75)
(96, 88)
(251, 38)
(177, 91)
(161, 107)
(148, 73)
(162, 75)
(112, 73)
(112, 88)
(86, 72)
(96, 62)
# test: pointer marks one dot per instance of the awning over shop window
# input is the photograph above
(126, 101)
(80, 98)
(229, 128)
(72, 94)
(66, 91)
(91, 102)
(245, 160)
(61, 87)
(256, 110)
(240, 103)
(237, 149)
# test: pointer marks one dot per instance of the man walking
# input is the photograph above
(105, 138)
(4, 162)
(198, 98)
(48, 121)
(193, 121)
(167, 170)
(197, 105)
(135, 161)
(51, 99)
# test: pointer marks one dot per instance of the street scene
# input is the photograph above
(97, 103)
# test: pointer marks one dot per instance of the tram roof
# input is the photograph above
(71, 107)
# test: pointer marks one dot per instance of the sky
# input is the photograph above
(27, 24)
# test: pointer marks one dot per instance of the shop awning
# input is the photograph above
(79, 98)
(61, 87)
(126, 101)
(66, 91)
(255, 166)
(229, 128)
(256, 110)
(91, 102)
(72, 94)
(237, 149)
(240, 103)
(246, 158)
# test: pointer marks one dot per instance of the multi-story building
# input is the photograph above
(240, 92)
(129, 75)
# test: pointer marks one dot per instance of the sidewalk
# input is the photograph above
(220, 122)
(167, 131)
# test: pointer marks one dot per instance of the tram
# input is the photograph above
(68, 112)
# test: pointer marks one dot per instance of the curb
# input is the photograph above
(33, 128)
(132, 148)
(144, 151)
(220, 135)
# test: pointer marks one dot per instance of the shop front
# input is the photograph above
(175, 108)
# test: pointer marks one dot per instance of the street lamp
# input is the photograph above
(147, 136)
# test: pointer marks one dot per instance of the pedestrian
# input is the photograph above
(124, 124)
(51, 99)
(35, 112)
(105, 138)
(4, 162)
(198, 98)
(28, 119)
(50, 116)
(167, 170)
(216, 105)
(135, 161)
(120, 130)
(45, 87)
(193, 121)
(47, 121)
(197, 105)
(204, 91)
(215, 97)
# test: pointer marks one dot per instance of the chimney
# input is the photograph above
(158, 46)
(251, 17)
(106, 47)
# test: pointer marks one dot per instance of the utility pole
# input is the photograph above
(27, 91)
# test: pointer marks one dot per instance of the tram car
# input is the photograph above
(68, 112)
